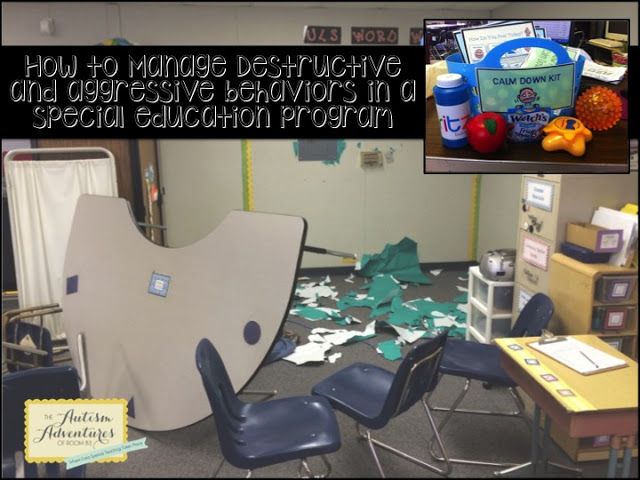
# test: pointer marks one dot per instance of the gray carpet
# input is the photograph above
(194, 451)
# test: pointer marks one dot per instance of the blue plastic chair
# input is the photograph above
(480, 361)
(32, 384)
(254, 435)
(372, 396)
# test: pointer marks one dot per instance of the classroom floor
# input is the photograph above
(194, 451)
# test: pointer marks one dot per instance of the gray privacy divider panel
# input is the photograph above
(233, 287)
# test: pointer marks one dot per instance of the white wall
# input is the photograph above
(498, 215)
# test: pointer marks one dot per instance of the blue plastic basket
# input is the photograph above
(455, 64)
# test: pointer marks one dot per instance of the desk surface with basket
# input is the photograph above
(608, 151)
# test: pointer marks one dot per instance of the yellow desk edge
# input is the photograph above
(609, 390)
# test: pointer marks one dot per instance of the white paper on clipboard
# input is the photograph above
(579, 356)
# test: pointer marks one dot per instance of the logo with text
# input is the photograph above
(81, 430)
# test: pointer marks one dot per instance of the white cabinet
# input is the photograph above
(489, 307)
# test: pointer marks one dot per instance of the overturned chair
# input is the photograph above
(372, 396)
(255, 435)
(480, 361)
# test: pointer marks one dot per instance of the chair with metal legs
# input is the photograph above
(255, 435)
(372, 396)
(479, 361)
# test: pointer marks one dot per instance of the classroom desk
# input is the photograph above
(605, 403)
(608, 151)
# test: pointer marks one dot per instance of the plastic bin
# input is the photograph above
(615, 288)
(612, 318)
(500, 327)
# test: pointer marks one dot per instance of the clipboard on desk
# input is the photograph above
(578, 356)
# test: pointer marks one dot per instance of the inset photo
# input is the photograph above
(527, 96)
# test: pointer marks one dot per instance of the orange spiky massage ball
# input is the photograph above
(599, 108)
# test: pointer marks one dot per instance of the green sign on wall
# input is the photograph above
(504, 90)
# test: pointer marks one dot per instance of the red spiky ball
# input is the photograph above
(599, 108)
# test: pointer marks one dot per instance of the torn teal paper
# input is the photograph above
(462, 298)
(399, 260)
(404, 314)
(314, 313)
(380, 292)
(390, 350)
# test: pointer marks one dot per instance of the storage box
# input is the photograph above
(615, 288)
(582, 254)
(614, 342)
(500, 327)
(611, 318)
(592, 237)
(502, 296)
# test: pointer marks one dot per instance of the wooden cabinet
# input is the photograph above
(579, 293)
(582, 295)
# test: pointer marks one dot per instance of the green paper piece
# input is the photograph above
(462, 298)
(399, 260)
(403, 315)
(315, 313)
(359, 338)
(381, 292)
(311, 313)
(457, 332)
(390, 350)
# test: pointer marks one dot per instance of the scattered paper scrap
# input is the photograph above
(443, 322)
(309, 352)
(315, 313)
(350, 278)
(340, 337)
(314, 337)
(333, 357)
(380, 293)
(407, 335)
(311, 290)
(462, 298)
(435, 273)
(462, 289)
(389, 349)
(400, 259)
(463, 279)
(463, 307)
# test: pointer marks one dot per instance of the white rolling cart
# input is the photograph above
(489, 307)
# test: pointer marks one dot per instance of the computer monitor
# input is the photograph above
(617, 30)
(557, 30)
